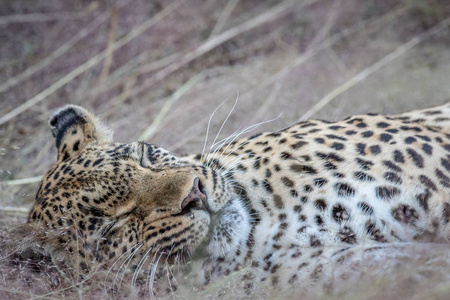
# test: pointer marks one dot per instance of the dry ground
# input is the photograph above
(156, 70)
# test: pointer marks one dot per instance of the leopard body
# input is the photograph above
(285, 203)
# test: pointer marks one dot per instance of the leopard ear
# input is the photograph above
(74, 128)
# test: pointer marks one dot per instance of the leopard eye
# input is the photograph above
(126, 211)
(125, 214)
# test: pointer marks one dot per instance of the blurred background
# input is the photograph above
(156, 70)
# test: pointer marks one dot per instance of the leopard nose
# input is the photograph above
(195, 196)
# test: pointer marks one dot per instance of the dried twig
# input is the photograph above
(56, 54)
(330, 19)
(311, 52)
(263, 18)
(16, 292)
(315, 41)
(32, 18)
(151, 130)
(116, 78)
(110, 48)
(22, 181)
(273, 96)
(73, 285)
(326, 44)
(45, 17)
(224, 16)
(373, 68)
(87, 65)
(14, 211)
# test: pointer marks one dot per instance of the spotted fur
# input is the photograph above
(314, 192)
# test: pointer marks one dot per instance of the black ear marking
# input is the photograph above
(74, 128)
(64, 119)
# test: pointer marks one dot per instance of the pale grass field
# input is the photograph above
(156, 70)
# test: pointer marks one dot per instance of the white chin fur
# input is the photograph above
(230, 231)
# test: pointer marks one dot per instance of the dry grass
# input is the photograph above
(156, 70)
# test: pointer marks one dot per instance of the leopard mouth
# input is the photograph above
(228, 229)
(231, 216)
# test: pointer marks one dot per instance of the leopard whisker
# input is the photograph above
(152, 277)
(229, 153)
(223, 124)
(190, 256)
(115, 262)
(222, 143)
(248, 129)
(168, 270)
(183, 258)
(233, 151)
(139, 266)
(207, 128)
(225, 140)
(231, 164)
(229, 144)
(150, 267)
(127, 262)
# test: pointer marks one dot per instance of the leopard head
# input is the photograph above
(102, 200)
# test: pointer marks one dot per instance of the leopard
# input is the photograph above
(278, 206)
